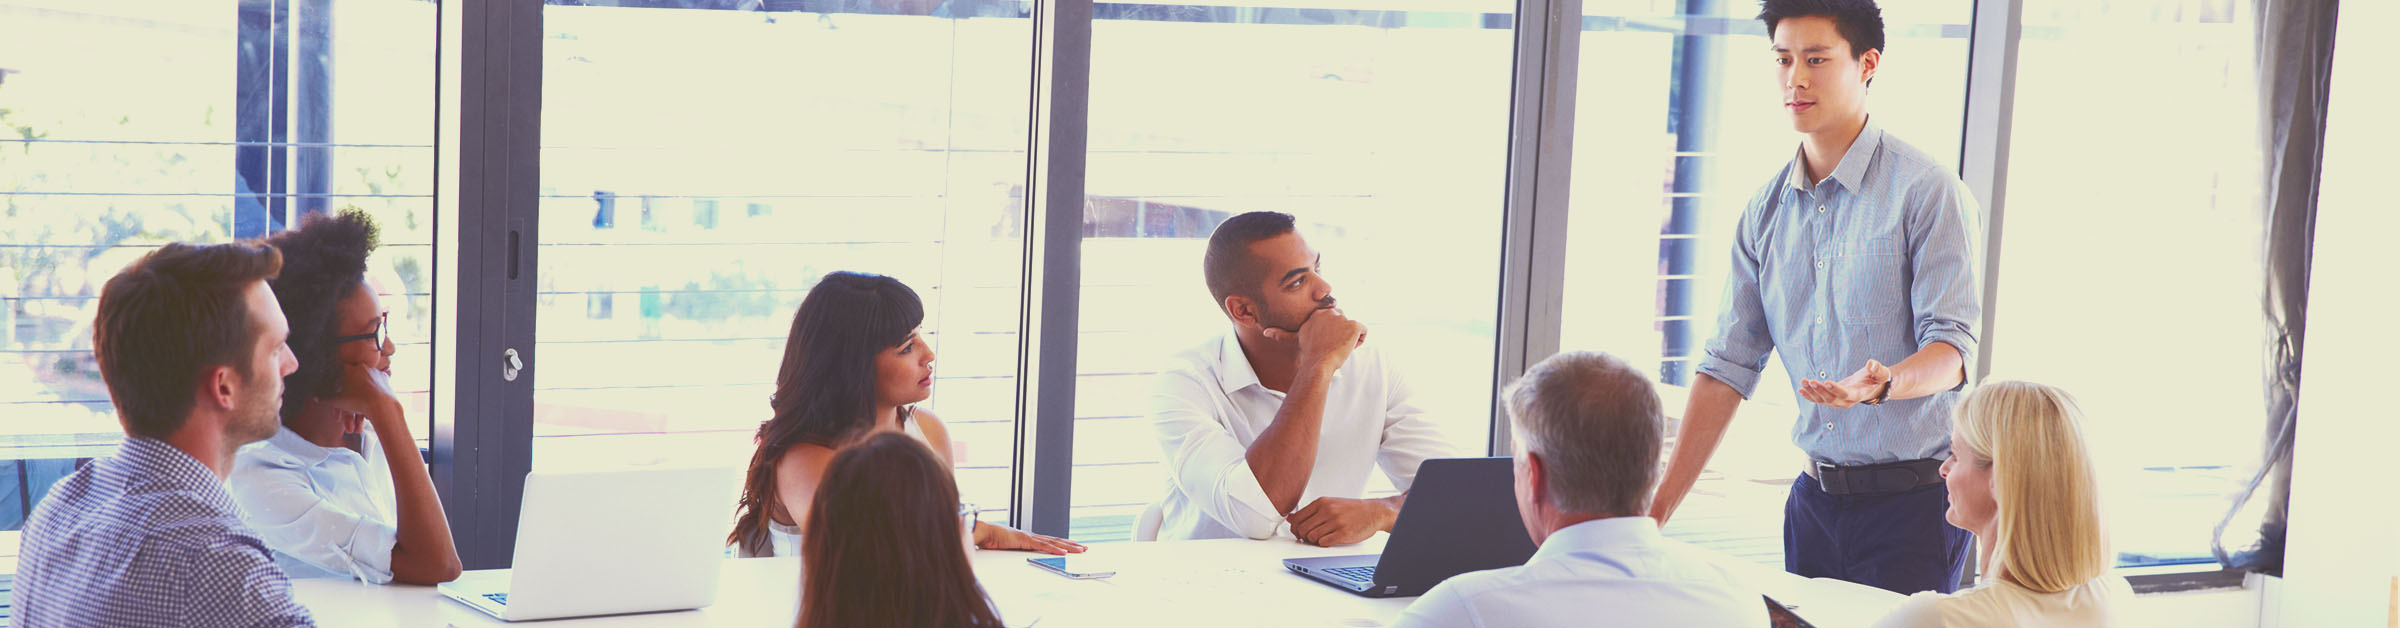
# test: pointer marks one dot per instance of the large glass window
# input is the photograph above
(2165, 349)
(128, 125)
(703, 166)
(1384, 132)
(1677, 125)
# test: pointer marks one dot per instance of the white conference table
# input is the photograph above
(1227, 582)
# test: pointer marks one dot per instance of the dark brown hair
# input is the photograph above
(825, 391)
(169, 317)
(325, 260)
(884, 547)
(1860, 22)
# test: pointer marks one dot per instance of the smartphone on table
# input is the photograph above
(1071, 566)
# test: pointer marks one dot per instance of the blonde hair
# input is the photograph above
(2049, 536)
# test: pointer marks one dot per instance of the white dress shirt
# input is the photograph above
(2003, 603)
(1208, 408)
(327, 512)
(1605, 572)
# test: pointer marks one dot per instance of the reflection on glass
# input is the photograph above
(127, 125)
(1384, 132)
(2098, 163)
(703, 166)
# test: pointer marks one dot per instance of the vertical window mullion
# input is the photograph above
(1053, 266)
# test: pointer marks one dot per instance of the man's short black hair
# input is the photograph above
(1227, 265)
(1859, 21)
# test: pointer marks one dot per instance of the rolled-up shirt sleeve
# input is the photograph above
(282, 505)
(1743, 342)
(1207, 464)
(1945, 290)
(1409, 438)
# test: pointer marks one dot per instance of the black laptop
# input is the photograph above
(1461, 516)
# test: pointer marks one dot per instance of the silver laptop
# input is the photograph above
(607, 543)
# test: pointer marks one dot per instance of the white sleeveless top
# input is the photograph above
(786, 538)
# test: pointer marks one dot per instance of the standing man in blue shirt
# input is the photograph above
(191, 344)
(1856, 263)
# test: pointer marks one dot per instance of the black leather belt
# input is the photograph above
(1890, 477)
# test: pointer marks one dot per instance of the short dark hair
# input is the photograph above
(1597, 424)
(1859, 21)
(325, 260)
(170, 316)
(1227, 266)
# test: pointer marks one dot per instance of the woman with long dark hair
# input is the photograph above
(884, 544)
(853, 365)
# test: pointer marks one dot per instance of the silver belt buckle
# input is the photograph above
(1825, 478)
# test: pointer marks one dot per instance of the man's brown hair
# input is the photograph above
(169, 317)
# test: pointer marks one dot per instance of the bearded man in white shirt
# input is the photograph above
(1275, 426)
(1588, 431)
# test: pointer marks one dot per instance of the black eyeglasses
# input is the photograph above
(382, 334)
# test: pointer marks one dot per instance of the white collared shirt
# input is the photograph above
(327, 512)
(1605, 572)
(1208, 408)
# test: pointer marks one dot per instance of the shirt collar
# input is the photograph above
(1852, 171)
(149, 460)
(293, 449)
(1233, 365)
(1601, 535)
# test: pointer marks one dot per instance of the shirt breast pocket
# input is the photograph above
(1870, 283)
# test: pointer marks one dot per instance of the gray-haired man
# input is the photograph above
(1588, 431)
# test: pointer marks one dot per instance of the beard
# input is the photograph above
(1266, 315)
(256, 415)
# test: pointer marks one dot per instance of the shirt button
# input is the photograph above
(1820, 209)
(1829, 426)
(1820, 263)
(1820, 320)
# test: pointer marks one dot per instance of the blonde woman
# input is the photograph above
(2022, 481)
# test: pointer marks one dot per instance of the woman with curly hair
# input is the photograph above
(339, 490)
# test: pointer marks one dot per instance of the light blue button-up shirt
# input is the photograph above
(1875, 261)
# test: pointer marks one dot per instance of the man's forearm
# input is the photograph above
(1286, 452)
(1705, 418)
(1933, 369)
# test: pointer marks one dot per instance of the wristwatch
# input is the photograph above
(1881, 395)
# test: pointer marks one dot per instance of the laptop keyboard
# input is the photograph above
(1359, 574)
(502, 598)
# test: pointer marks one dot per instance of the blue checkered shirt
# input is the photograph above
(1874, 261)
(147, 537)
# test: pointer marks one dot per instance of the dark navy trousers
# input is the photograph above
(1893, 541)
